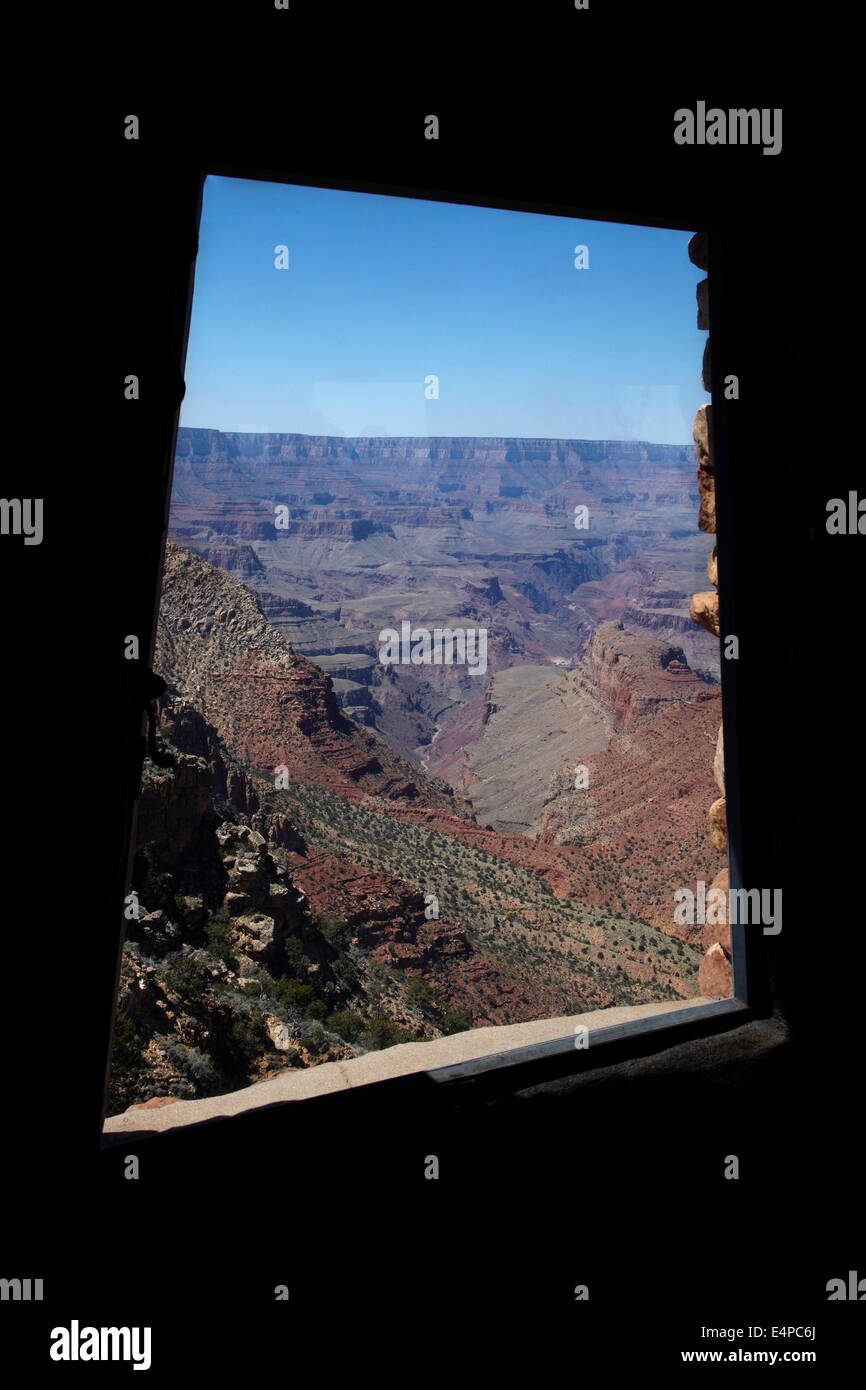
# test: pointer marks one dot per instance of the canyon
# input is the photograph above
(341, 538)
(319, 800)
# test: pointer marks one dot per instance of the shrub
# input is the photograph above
(456, 1021)
(382, 1033)
(234, 1050)
(335, 932)
(186, 978)
(246, 1039)
(291, 993)
(315, 1041)
(346, 1024)
(295, 959)
(127, 1067)
(419, 992)
(218, 937)
(152, 886)
(196, 1065)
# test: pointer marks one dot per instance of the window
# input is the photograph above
(439, 726)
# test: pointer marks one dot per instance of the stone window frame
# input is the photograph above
(533, 1064)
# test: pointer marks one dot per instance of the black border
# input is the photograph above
(617, 1175)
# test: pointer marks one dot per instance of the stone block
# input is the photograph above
(714, 976)
(702, 433)
(707, 502)
(702, 294)
(699, 250)
(704, 611)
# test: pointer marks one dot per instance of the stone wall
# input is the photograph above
(714, 977)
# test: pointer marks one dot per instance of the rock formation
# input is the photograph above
(715, 973)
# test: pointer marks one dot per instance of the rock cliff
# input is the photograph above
(634, 677)
(715, 974)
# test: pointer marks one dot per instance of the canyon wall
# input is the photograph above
(714, 977)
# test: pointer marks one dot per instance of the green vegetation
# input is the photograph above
(217, 1035)
(127, 1066)
(187, 978)
(217, 935)
(420, 993)
(151, 885)
(382, 1033)
(346, 1024)
(336, 933)
(456, 1021)
(293, 994)
(315, 1041)
(238, 1047)
(296, 961)
(501, 909)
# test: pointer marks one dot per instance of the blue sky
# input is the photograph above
(382, 292)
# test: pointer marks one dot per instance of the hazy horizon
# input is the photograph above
(508, 438)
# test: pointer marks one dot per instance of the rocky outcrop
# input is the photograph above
(635, 677)
(720, 932)
(718, 825)
(704, 611)
(714, 977)
(387, 921)
(190, 732)
(489, 593)
(173, 804)
(703, 298)
(703, 437)
(268, 706)
(260, 898)
(656, 620)
(240, 560)
(699, 250)
(214, 914)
